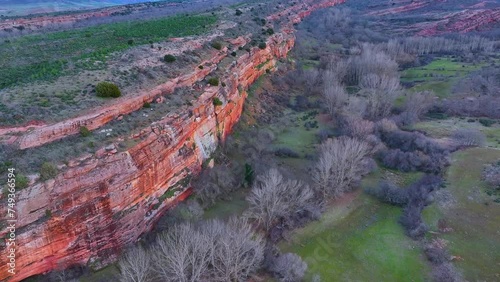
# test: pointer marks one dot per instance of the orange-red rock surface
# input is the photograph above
(34, 22)
(42, 21)
(464, 21)
(404, 8)
(102, 202)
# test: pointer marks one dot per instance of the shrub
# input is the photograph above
(48, 171)
(390, 193)
(418, 198)
(239, 12)
(446, 272)
(200, 67)
(84, 131)
(216, 183)
(146, 105)
(288, 267)
(214, 81)
(410, 141)
(285, 152)
(249, 174)
(412, 221)
(491, 174)
(107, 89)
(469, 137)
(486, 122)
(217, 102)
(413, 161)
(169, 58)
(21, 181)
(217, 45)
(130, 42)
(233, 54)
(262, 45)
(436, 252)
(270, 31)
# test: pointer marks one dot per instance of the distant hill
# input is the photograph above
(26, 7)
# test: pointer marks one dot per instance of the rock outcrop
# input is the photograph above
(102, 202)
(463, 21)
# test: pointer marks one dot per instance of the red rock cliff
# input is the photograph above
(105, 201)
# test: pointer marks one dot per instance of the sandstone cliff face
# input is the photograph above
(102, 202)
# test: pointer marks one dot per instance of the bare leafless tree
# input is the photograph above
(274, 197)
(418, 103)
(380, 91)
(181, 254)
(135, 266)
(210, 251)
(340, 164)
(335, 97)
(236, 252)
(372, 60)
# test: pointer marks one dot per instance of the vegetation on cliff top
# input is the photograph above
(54, 54)
(107, 89)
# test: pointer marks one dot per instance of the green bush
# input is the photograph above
(239, 12)
(21, 181)
(84, 132)
(214, 81)
(107, 89)
(249, 174)
(48, 213)
(217, 102)
(233, 54)
(130, 42)
(486, 122)
(217, 45)
(200, 67)
(270, 31)
(262, 45)
(48, 171)
(146, 105)
(169, 58)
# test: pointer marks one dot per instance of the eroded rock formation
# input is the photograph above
(463, 21)
(101, 202)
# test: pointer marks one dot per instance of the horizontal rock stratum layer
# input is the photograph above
(100, 203)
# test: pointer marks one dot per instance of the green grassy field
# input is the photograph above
(292, 132)
(224, 209)
(441, 66)
(474, 217)
(54, 54)
(359, 239)
(446, 127)
(438, 76)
